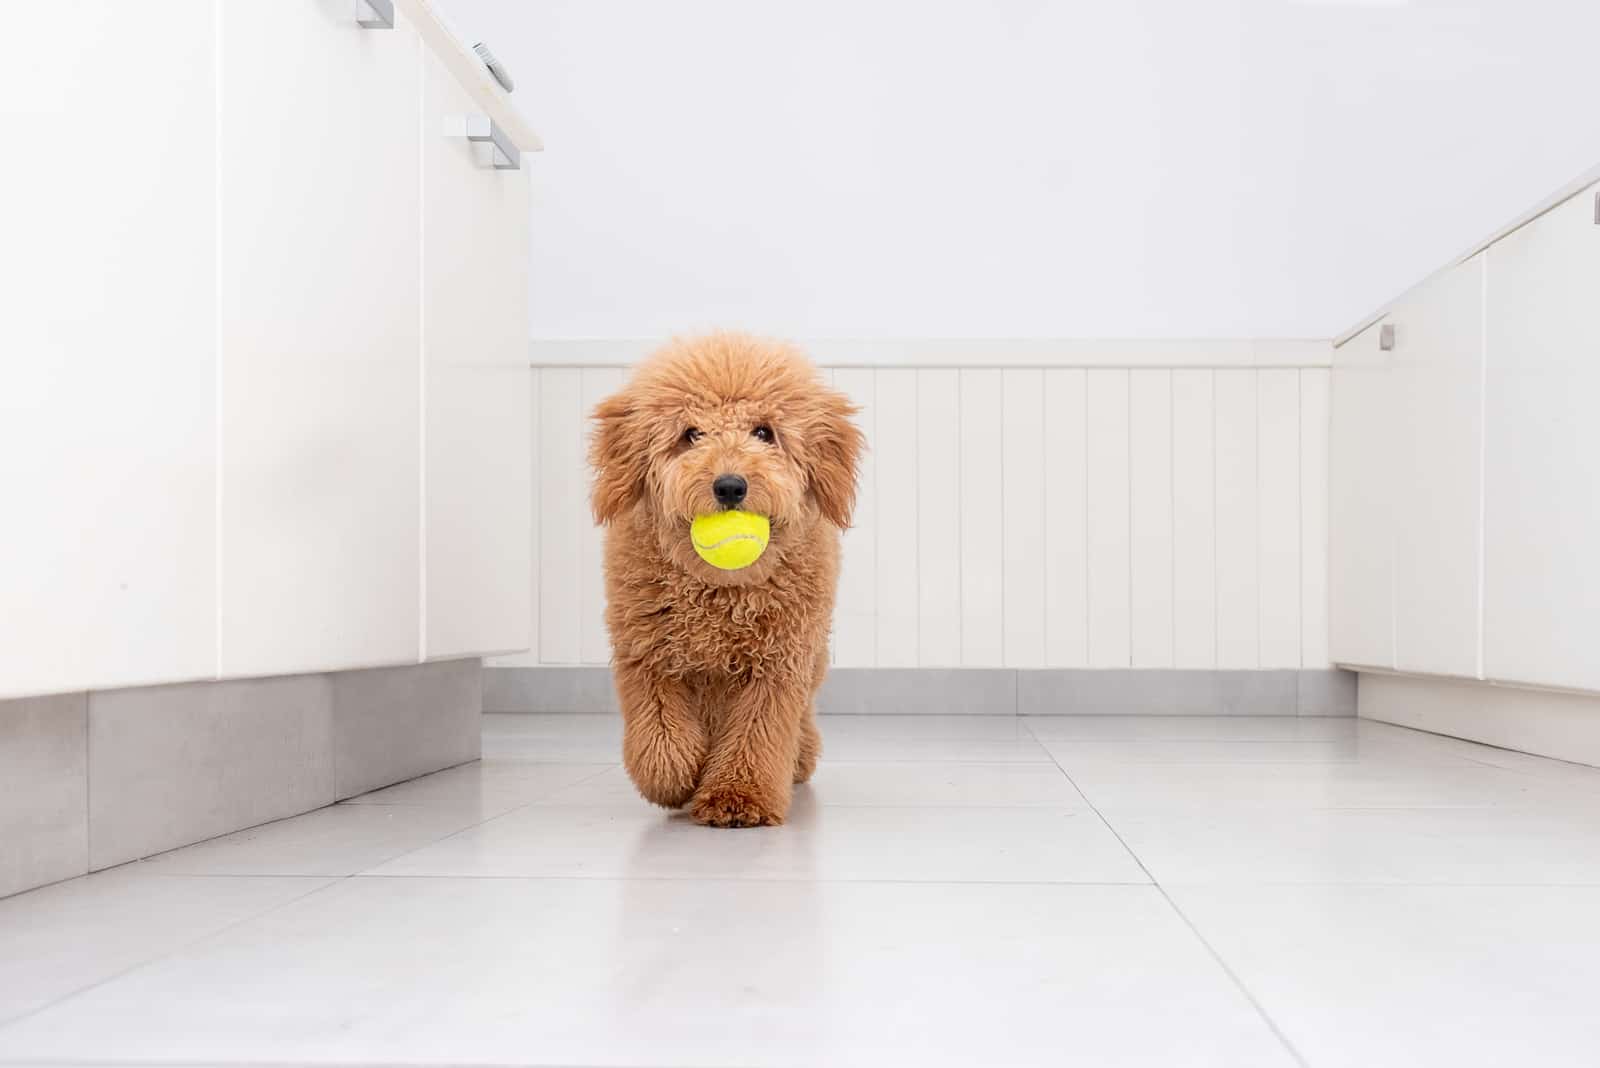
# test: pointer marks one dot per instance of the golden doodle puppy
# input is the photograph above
(717, 669)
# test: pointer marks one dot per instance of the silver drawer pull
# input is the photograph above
(375, 14)
(1386, 337)
(496, 68)
(507, 157)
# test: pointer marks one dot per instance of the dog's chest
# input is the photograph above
(723, 629)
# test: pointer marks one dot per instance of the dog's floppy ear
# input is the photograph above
(833, 451)
(617, 454)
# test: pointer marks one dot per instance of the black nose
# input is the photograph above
(730, 490)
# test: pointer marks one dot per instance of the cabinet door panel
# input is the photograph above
(321, 348)
(1360, 505)
(108, 367)
(478, 481)
(1542, 451)
(1437, 376)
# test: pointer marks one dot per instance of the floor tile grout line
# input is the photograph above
(328, 882)
(1227, 970)
(1211, 950)
(740, 880)
(373, 875)
(103, 1062)
(472, 827)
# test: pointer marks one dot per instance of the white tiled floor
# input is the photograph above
(956, 890)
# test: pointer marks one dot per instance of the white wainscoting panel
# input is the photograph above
(1028, 517)
(1066, 518)
(1106, 451)
(1278, 517)
(563, 520)
(896, 490)
(1150, 516)
(1016, 506)
(1314, 429)
(982, 600)
(1238, 517)
(1194, 520)
(855, 615)
(939, 515)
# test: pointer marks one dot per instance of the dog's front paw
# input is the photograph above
(665, 769)
(735, 805)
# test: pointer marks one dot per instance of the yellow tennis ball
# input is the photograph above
(730, 540)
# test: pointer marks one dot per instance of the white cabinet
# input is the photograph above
(107, 372)
(216, 438)
(1465, 467)
(320, 340)
(478, 480)
(1361, 486)
(1542, 455)
(1436, 376)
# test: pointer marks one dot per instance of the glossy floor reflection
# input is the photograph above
(949, 890)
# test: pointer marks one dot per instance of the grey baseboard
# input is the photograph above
(98, 779)
(983, 691)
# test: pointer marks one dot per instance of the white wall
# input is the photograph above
(1011, 168)
(1028, 517)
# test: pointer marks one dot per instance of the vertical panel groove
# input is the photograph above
(983, 522)
(1483, 437)
(1150, 499)
(1278, 508)
(1005, 522)
(1066, 558)
(536, 436)
(422, 366)
(916, 501)
(218, 546)
(898, 611)
(1314, 496)
(1109, 478)
(961, 549)
(1238, 520)
(1023, 476)
(938, 463)
(1194, 520)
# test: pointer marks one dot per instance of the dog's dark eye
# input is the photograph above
(691, 435)
(762, 433)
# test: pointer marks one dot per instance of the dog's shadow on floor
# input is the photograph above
(763, 900)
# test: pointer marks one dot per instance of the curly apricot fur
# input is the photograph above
(717, 671)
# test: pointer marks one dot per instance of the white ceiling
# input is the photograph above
(1023, 168)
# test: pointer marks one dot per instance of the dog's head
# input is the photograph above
(726, 421)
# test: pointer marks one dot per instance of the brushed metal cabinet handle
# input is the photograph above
(1597, 209)
(497, 68)
(507, 157)
(1386, 337)
(375, 14)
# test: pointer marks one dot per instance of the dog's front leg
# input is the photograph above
(663, 737)
(749, 776)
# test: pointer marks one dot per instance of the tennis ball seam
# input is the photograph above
(726, 540)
